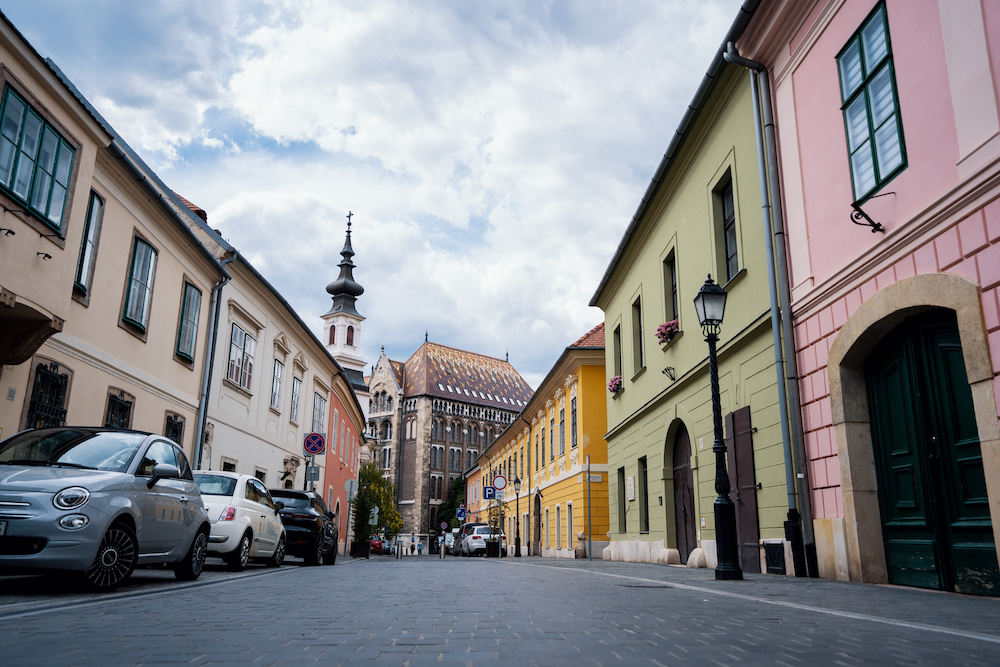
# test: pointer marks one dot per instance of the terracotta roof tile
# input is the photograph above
(592, 340)
(445, 372)
(200, 212)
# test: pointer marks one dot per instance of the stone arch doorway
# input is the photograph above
(536, 523)
(879, 326)
(928, 461)
(683, 492)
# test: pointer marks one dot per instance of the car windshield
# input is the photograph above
(215, 485)
(292, 502)
(101, 450)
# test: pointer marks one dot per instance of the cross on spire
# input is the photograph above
(349, 214)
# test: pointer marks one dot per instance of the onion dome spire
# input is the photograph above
(345, 290)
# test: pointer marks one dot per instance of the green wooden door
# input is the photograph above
(932, 490)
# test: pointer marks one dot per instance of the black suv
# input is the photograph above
(310, 530)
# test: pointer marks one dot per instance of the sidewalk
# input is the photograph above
(975, 617)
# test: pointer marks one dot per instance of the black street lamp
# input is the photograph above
(517, 519)
(711, 305)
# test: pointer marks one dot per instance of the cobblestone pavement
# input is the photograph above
(473, 611)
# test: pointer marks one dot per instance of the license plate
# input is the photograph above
(3, 527)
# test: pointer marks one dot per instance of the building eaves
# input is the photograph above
(705, 89)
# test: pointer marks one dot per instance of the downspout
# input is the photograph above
(798, 529)
(528, 499)
(206, 378)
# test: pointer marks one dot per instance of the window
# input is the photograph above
(726, 229)
(558, 527)
(241, 358)
(187, 330)
(617, 349)
(552, 438)
(522, 463)
(562, 430)
(670, 286)
(88, 248)
(262, 476)
(637, 363)
(228, 465)
(572, 422)
(871, 107)
(35, 161)
(139, 290)
(293, 415)
(543, 443)
(119, 412)
(643, 497)
(350, 335)
(319, 413)
(279, 368)
(536, 452)
(333, 334)
(621, 500)
(173, 428)
(47, 406)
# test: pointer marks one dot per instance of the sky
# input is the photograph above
(492, 152)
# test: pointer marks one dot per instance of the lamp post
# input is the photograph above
(711, 305)
(517, 520)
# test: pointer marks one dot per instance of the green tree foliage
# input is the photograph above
(456, 495)
(375, 491)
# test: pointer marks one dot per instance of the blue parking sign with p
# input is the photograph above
(489, 493)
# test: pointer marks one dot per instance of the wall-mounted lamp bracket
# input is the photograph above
(670, 373)
(49, 236)
(44, 255)
(13, 210)
(6, 231)
(862, 219)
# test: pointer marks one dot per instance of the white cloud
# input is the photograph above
(493, 152)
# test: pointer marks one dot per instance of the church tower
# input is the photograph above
(342, 324)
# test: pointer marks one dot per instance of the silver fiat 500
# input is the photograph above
(98, 502)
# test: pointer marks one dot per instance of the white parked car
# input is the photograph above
(245, 520)
(474, 542)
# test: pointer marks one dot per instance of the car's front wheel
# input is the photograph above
(115, 560)
(191, 567)
(278, 557)
(238, 558)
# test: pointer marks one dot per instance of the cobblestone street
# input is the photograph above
(531, 611)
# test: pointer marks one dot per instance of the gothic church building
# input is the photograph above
(432, 416)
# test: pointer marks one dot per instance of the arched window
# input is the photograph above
(333, 334)
(388, 404)
(350, 335)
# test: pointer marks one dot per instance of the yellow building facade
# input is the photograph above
(557, 452)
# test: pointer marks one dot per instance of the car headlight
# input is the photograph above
(74, 521)
(71, 498)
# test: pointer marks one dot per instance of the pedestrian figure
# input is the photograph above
(420, 548)
(412, 544)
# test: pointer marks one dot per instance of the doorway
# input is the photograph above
(928, 461)
(683, 480)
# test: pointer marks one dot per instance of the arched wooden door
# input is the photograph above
(684, 519)
(932, 487)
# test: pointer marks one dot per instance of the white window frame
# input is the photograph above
(139, 285)
(293, 414)
(276, 374)
(319, 412)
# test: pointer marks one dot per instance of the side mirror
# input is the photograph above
(329, 515)
(163, 471)
(278, 506)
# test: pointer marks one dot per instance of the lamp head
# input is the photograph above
(710, 304)
(517, 485)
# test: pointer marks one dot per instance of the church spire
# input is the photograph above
(345, 290)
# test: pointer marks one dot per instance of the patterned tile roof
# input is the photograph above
(592, 340)
(397, 368)
(444, 372)
(200, 212)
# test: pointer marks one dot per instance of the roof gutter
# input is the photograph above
(708, 83)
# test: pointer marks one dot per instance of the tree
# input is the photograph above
(456, 496)
(375, 491)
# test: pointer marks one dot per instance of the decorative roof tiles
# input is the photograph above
(445, 372)
(592, 340)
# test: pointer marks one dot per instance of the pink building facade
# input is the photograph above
(344, 442)
(892, 107)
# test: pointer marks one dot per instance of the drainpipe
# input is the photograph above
(798, 529)
(206, 378)
(528, 499)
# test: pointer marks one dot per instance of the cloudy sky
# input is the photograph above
(492, 152)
